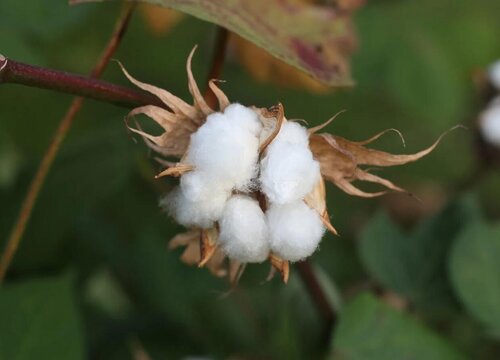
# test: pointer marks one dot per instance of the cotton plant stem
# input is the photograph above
(48, 159)
(218, 57)
(13, 72)
(318, 296)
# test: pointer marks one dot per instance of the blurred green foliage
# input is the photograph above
(415, 265)
(40, 320)
(93, 277)
(475, 273)
(370, 329)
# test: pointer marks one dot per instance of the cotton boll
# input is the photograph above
(295, 230)
(226, 149)
(245, 117)
(189, 213)
(494, 74)
(199, 186)
(288, 173)
(489, 123)
(243, 230)
(293, 133)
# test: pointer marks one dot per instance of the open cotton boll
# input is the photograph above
(189, 213)
(198, 186)
(293, 133)
(225, 148)
(489, 123)
(245, 117)
(288, 173)
(494, 74)
(295, 230)
(243, 230)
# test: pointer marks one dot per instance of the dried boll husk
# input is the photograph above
(316, 200)
(340, 160)
(201, 250)
(192, 253)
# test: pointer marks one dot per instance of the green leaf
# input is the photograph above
(414, 265)
(85, 173)
(370, 329)
(40, 320)
(420, 67)
(475, 272)
(55, 18)
(316, 39)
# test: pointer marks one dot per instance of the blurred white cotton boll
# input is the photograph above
(295, 230)
(225, 148)
(494, 74)
(489, 123)
(288, 173)
(189, 213)
(243, 230)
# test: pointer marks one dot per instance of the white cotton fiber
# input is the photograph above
(489, 123)
(288, 171)
(199, 186)
(245, 117)
(295, 230)
(293, 133)
(189, 213)
(243, 230)
(494, 74)
(225, 148)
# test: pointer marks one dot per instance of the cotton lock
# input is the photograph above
(243, 230)
(289, 171)
(295, 230)
(190, 213)
(225, 148)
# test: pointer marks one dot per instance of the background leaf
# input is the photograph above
(475, 272)
(40, 320)
(414, 265)
(316, 39)
(370, 329)
(70, 187)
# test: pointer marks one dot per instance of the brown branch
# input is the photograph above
(318, 297)
(217, 65)
(49, 156)
(14, 72)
